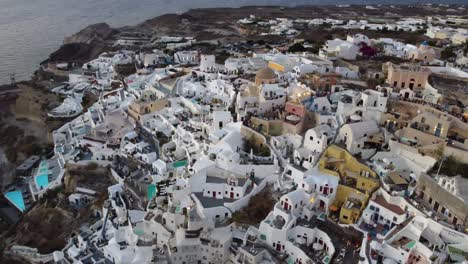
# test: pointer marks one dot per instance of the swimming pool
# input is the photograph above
(16, 198)
(42, 181)
(151, 191)
(180, 163)
(42, 176)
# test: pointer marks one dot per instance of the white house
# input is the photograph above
(186, 57)
(316, 139)
(356, 137)
(338, 48)
(220, 119)
(208, 63)
(357, 39)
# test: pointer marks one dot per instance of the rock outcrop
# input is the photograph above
(92, 33)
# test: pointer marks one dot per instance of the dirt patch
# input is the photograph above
(90, 176)
(50, 223)
(25, 128)
(260, 205)
(45, 229)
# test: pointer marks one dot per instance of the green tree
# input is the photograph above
(448, 53)
(298, 47)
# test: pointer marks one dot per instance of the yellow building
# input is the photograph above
(357, 182)
(276, 66)
(142, 107)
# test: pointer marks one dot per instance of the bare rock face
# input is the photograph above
(90, 34)
(84, 45)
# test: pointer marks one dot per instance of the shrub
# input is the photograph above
(298, 47)
(451, 167)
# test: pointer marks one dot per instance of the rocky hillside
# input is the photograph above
(84, 45)
(220, 23)
(91, 34)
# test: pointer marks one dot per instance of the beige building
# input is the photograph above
(145, 106)
(424, 53)
(441, 201)
(441, 125)
(459, 38)
(410, 76)
(431, 131)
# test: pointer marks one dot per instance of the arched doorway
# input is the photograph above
(411, 84)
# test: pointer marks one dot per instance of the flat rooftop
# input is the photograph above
(212, 179)
(29, 163)
(209, 202)
(345, 240)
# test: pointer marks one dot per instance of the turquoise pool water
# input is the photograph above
(16, 198)
(42, 176)
(180, 163)
(151, 191)
(42, 181)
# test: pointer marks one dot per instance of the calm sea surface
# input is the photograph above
(31, 29)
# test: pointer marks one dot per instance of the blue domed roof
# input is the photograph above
(425, 43)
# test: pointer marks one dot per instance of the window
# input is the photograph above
(311, 138)
(372, 207)
(345, 217)
(395, 83)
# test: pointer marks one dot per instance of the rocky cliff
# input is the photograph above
(84, 45)
(92, 33)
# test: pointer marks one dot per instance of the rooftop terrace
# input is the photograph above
(347, 240)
